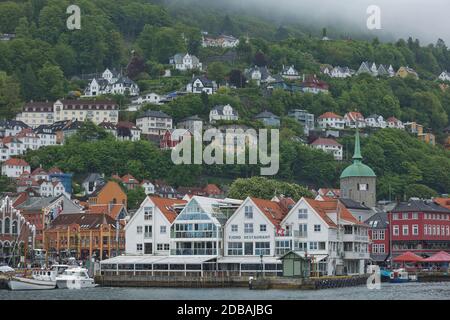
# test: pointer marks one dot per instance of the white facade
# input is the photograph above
(290, 73)
(185, 62)
(148, 231)
(154, 123)
(376, 121)
(329, 146)
(152, 98)
(354, 118)
(14, 169)
(199, 85)
(444, 76)
(331, 121)
(223, 113)
(249, 232)
(149, 187)
(111, 83)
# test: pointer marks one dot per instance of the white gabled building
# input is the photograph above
(290, 73)
(111, 82)
(353, 119)
(329, 146)
(185, 62)
(444, 76)
(252, 229)
(375, 121)
(148, 230)
(221, 112)
(331, 120)
(14, 168)
(149, 187)
(329, 234)
(393, 122)
(201, 84)
(151, 97)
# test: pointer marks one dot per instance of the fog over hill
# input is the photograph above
(424, 19)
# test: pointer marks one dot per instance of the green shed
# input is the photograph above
(295, 265)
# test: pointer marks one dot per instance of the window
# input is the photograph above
(415, 216)
(159, 246)
(404, 216)
(396, 230)
(395, 216)
(235, 248)
(248, 248)
(381, 234)
(322, 246)
(162, 229)
(14, 227)
(148, 248)
(166, 246)
(148, 213)
(415, 230)
(448, 230)
(248, 228)
(139, 247)
(313, 245)
(262, 228)
(363, 186)
(405, 230)
(374, 234)
(317, 228)
(248, 212)
(303, 213)
(234, 228)
(139, 229)
(425, 229)
(262, 248)
(148, 232)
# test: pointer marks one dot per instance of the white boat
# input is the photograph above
(18, 283)
(75, 278)
(50, 275)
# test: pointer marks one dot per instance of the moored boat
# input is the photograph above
(401, 276)
(18, 283)
(75, 278)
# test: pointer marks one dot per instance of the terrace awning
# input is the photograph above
(408, 257)
(441, 256)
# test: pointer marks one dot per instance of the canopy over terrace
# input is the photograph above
(441, 256)
(156, 265)
(408, 257)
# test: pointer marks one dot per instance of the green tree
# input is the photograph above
(135, 197)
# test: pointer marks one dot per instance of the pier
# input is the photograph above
(230, 282)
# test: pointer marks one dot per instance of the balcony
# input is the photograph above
(355, 238)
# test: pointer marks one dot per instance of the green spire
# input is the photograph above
(357, 155)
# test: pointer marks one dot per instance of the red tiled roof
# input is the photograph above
(392, 119)
(330, 115)
(16, 162)
(212, 189)
(112, 210)
(324, 191)
(271, 209)
(127, 179)
(38, 171)
(54, 170)
(326, 142)
(443, 202)
(165, 205)
(354, 115)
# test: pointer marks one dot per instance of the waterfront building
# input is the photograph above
(329, 234)
(379, 233)
(419, 226)
(83, 236)
(358, 181)
(148, 231)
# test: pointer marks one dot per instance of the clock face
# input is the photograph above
(363, 186)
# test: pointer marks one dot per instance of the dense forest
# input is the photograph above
(42, 61)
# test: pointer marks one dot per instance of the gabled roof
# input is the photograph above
(325, 142)
(128, 179)
(266, 114)
(323, 208)
(166, 206)
(112, 210)
(84, 220)
(271, 209)
(204, 80)
(154, 114)
(331, 115)
(212, 189)
(379, 220)
(443, 202)
(16, 162)
(354, 115)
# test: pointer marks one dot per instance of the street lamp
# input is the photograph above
(261, 267)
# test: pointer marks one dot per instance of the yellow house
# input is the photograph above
(110, 193)
(428, 138)
(404, 72)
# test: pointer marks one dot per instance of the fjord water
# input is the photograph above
(409, 291)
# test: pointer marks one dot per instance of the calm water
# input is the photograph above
(410, 291)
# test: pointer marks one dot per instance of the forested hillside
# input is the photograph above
(42, 60)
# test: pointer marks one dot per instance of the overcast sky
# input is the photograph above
(427, 20)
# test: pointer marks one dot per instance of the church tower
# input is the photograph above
(358, 181)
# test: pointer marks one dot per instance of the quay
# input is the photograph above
(231, 282)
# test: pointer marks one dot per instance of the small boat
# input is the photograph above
(401, 276)
(50, 275)
(75, 278)
(18, 283)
